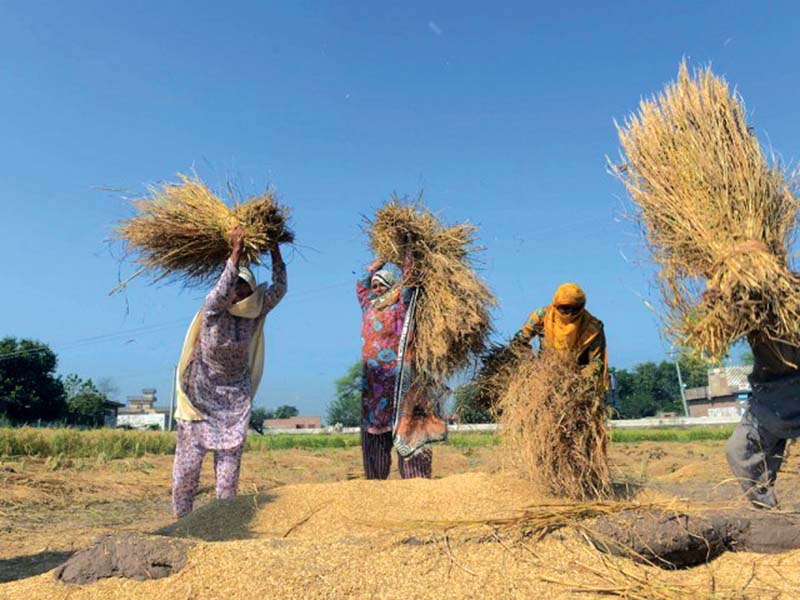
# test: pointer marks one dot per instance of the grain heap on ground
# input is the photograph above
(294, 546)
(452, 314)
(552, 420)
(183, 230)
(715, 215)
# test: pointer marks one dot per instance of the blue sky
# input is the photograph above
(502, 113)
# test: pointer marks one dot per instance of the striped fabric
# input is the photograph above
(419, 465)
(376, 452)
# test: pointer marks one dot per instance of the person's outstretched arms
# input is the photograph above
(277, 290)
(364, 284)
(222, 296)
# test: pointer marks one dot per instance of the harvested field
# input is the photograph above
(307, 525)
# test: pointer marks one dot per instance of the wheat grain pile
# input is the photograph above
(315, 541)
(715, 215)
(452, 315)
(182, 231)
(552, 421)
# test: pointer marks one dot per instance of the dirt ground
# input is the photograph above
(50, 509)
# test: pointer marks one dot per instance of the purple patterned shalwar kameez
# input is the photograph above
(217, 382)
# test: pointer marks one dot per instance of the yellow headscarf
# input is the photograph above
(568, 332)
(249, 308)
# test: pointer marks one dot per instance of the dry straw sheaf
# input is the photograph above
(552, 421)
(183, 230)
(497, 365)
(452, 315)
(715, 215)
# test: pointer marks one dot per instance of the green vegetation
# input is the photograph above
(467, 405)
(31, 393)
(303, 441)
(29, 388)
(346, 408)
(76, 443)
(652, 387)
(116, 443)
(688, 434)
(473, 440)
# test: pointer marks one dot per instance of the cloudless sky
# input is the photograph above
(502, 113)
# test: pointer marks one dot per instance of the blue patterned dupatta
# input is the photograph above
(417, 398)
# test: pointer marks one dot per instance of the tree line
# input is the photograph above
(644, 390)
(32, 393)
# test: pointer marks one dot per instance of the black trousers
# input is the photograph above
(376, 450)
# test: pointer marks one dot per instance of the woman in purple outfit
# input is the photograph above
(219, 372)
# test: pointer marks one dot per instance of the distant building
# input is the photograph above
(294, 423)
(141, 412)
(726, 395)
(110, 410)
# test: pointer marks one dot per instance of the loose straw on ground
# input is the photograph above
(715, 215)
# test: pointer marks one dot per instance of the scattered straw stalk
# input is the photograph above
(183, 230)
(714, 213)
(452, 318)
(552, 420)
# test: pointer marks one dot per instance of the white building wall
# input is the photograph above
(143, 421)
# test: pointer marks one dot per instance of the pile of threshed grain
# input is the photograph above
(552, 419)
(322, 558)
(183, 230)
(452, 314)
(715, 214)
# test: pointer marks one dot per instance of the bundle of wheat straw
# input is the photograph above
(496, 366)
(714, 213)
(452, 315)
(552, 421)
(183, 230)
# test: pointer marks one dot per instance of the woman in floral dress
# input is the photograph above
(220, 370)
(384, 303)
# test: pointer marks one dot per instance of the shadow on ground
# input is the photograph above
(220, 520)
(22, 567)
(625, 490)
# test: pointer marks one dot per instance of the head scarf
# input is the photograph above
(391, 295)
(568, 332)
(247, 275)
(250, 307)
(385, 277)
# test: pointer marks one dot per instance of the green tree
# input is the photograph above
(258, 416)
(649, 388)
(346, 408)
(467, 406)
(286, 412)
(29, 389)
(694, 371)
(85, 403)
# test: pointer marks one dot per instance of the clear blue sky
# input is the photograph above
(502, 113)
